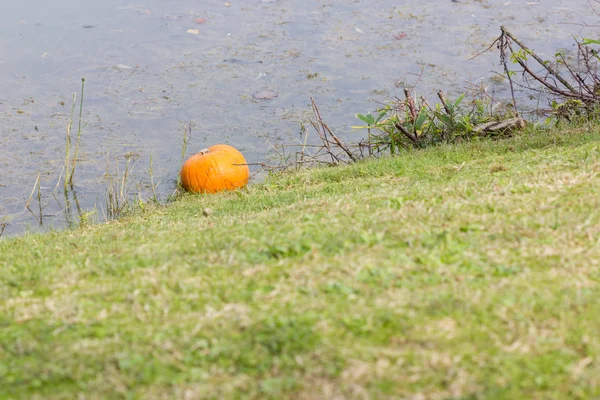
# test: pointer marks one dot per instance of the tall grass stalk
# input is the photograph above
(37, 186)
(187, 133)
(116, 193)
(74, 163)
(152, 185)
(68, 145)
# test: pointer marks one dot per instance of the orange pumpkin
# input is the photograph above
(220, 167)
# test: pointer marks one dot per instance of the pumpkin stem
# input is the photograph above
(204, 151)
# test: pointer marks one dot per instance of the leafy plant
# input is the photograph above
(410, 123)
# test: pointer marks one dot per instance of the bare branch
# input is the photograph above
(546, 65)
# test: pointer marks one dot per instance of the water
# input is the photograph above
(146, 77)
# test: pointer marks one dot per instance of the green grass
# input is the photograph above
(458, 272)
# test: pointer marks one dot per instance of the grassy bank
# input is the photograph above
(467, 271)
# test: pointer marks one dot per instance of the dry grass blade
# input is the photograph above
(40, 216)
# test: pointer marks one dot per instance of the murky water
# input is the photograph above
(155, 65)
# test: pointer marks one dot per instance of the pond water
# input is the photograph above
(153, 67)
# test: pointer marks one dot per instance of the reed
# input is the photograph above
(71, 162)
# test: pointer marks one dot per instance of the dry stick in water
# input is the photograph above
(575, 75)
(547, 66)
(545, 82)
(304, 156)
(325, 141)
(326, 129)
(339, 142)
(587, 55)
(570, 93)
(321, 132)
(502, 45)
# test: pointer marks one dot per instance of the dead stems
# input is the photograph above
(406, 133)
(569, 84)
(548, 66)
(319, 123)
(330, 150)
